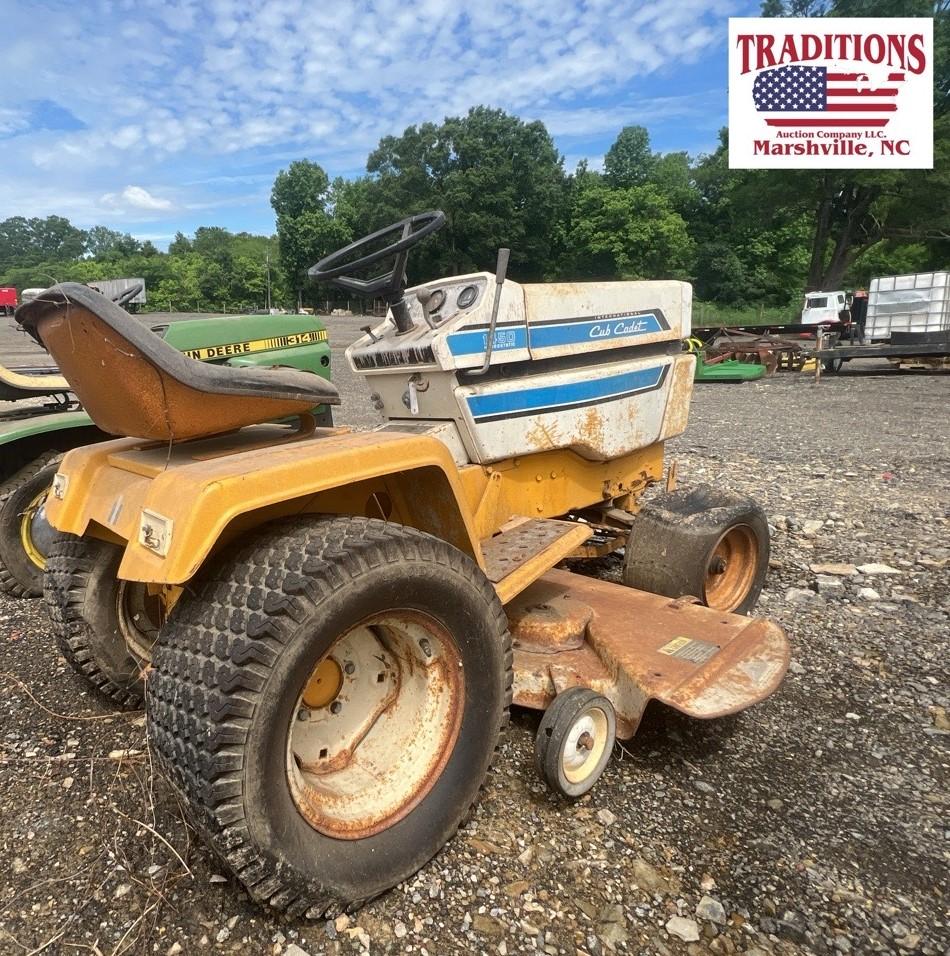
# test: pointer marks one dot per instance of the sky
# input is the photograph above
(153, 116)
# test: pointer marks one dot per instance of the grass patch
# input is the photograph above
(711, 314)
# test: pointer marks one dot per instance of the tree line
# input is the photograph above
(213, 270)
(742, 237)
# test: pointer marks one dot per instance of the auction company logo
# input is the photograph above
(823, 93)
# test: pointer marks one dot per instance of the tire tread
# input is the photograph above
(69, 567)
(212, 659)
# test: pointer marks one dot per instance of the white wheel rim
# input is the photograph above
(380, 726)
(584, 745)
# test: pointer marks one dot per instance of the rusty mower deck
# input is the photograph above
(632, 647)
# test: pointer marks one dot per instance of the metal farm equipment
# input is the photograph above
(342, 619)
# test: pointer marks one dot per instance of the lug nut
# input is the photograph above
(336, 707)
(349, 667)
(426, 647)
(303, 714)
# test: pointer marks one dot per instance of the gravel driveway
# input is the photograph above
(817, 822)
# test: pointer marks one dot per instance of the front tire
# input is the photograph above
(704, 542)
(328, 698)
(574, 741)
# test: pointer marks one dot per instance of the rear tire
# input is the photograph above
(21, 558)
(251, 664)
(711, 544)
(87, 604)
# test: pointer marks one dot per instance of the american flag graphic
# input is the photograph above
(841, 99)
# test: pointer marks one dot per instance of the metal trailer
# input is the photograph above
(930, 348)
(113, 288)
(8, 300)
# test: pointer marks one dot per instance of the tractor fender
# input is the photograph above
(195, 496)
(24, 437)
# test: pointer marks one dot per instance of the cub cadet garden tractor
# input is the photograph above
(346, 617)
(34, 435)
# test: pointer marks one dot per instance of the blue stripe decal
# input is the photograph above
(550, 336)
(546, 396)
(553, 334)
(474, 342)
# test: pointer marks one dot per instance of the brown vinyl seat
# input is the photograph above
(133, 383)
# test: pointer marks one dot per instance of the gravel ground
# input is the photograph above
(816, 822)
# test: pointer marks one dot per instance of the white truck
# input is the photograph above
(825, 308)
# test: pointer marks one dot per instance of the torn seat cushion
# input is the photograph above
(133, 383)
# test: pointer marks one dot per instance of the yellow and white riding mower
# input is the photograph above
(347, 616)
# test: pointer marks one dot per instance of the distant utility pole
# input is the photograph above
(267, 259)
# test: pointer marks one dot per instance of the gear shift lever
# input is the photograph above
(501, 270)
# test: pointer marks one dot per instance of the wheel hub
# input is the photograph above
(718, 565)
(142, 610)
(730, 571)
(324, 686)
(375, 724)
(36, 533)
(585, 744)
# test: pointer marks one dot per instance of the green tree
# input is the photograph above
(180, 245)
(15, 242)
(674, 176)
(752, 245)
(300, 188)
(631, 233)
(31, 241)
(499, 180)
(306, 231)
(629, 161)
(57, 238)
(105, 243)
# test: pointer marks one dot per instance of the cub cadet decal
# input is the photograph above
(257, 345)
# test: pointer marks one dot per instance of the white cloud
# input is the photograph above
(182, 91)
(587, 121)
(13, 121)
(138, 198)
(159, 238)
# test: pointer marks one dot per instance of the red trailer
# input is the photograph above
(8, 300)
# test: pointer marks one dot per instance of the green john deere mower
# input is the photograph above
(44, 419)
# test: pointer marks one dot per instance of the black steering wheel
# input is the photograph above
(413, 229)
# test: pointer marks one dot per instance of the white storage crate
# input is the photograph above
(916, 304)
